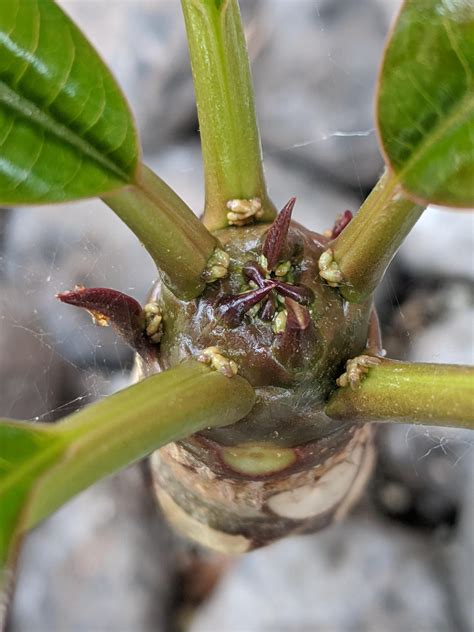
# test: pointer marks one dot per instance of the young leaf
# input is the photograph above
(113, 308)
(66, 131)
(426, 101)
(277, 234)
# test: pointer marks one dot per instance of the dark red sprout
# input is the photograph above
(298, 317)
(111, 307)
(299, 293)
(277, 233)
(340, 223)
(233, 308)
(255, 273)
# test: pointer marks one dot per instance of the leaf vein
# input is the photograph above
(25, 108)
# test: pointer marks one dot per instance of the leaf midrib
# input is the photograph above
(462, 109)
(27, 109)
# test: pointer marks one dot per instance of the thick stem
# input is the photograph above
(125, 427)
(431, 394)
(227, 121)
(175, 238)
(366, 246)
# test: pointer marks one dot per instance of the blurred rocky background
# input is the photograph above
(107, 561)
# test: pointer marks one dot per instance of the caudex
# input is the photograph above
(258, 350)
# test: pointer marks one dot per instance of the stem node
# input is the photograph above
(364, 249)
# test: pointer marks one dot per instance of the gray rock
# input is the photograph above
(425, 475)
(102, 563)
(315, 83)
(366, 574)
(144, 45)
(318, 202)
(422, 474)
(50, 249)
(450, 337)
(433, 323)
(459, 556)
(35, 380)
(441, 243)
(314, 67)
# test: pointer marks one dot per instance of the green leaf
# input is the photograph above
(66, 131)
(426, 101)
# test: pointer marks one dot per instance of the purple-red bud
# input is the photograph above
(340, 223)
(268, 309)
(233, 308)
(254, 272)
(111, 307)
(298, 317)
(277, 233)
(298, 293)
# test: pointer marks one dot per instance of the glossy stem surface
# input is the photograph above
(430, 394)
(109, 435)
(368, 243)
(225, 102)
(177, 241)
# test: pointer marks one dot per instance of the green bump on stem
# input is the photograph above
(106, 436)
(366, 246)
(258, 459)
(430, 394)
(177, 241)
(227, 121)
